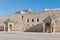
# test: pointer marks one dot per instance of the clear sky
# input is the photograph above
(12, 6)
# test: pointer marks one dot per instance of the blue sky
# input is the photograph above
(12, 6)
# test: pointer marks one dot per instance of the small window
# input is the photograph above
(32, 20)
(37, 20)
(22, 17)
(27, 20)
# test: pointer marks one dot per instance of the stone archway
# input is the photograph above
(47, 22)
(47, 27)
(10, 26)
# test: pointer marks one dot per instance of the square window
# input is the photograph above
(32, 20)
(37, 20)
(27, 20)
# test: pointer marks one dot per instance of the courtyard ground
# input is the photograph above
(29, 36)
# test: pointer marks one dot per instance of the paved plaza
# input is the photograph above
(29, 36)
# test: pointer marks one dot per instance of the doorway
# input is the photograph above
(48, 27)
(10, 26)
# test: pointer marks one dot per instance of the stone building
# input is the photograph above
(31, 21)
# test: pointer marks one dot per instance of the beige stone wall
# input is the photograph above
(22, 24)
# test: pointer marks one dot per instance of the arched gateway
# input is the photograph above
(8, 25)
(48, 24)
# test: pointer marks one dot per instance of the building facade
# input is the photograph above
(30, 21)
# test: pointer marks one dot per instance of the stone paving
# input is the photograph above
(29, 36)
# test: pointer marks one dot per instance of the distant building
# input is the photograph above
(30, 21)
